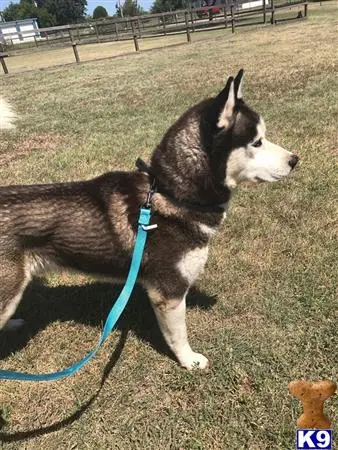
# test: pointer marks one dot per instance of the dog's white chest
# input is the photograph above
(192, 263)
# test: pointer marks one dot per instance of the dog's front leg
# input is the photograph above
(171, 318)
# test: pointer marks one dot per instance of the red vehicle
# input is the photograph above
(206, 9)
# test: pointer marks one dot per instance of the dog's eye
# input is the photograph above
(257, 143)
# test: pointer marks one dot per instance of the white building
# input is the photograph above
(253, 4)
(19, 31)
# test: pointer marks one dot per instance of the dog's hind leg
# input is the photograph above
(170, 314)
(13, 281)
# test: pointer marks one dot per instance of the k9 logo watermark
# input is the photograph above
(314, 439)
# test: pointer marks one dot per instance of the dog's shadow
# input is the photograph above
(88, 304)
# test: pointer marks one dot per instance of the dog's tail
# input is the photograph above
(7, 115)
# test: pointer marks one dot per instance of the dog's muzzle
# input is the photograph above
(293, 161)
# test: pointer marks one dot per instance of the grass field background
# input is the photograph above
(265, 311)
(44, 57)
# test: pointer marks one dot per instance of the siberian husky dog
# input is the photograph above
(90, 226)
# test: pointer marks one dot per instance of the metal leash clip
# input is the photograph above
(147, 205)
(150, 194)
(142, 166)
(149, 227)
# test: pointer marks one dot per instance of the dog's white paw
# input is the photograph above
(14, 324)
(195, 361)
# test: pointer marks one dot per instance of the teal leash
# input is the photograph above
(115, 312)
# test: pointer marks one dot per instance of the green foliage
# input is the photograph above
(45, 18)
(67, 11)
(11, 12)
(26, 9)
(167, 5)
(99, 12)
(129, 8)
(48, 12)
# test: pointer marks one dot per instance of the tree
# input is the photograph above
(166, 5)
(99, 12)
(26, 9)
(67, 11)
(12, 12)
(129, 8)
(48, 12)
(45, 19)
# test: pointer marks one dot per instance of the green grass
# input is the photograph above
(265, 310)
(46, 57)
(22, 59)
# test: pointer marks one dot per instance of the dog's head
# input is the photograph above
(214, 146)
(239, 135)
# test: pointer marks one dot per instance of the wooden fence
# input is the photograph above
(189, 21)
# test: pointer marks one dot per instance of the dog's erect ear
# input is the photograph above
(239, 84)
(226, 99)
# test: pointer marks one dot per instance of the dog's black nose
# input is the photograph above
(293, 161)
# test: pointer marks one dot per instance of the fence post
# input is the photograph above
(232, 19)
(225, 17)
(210, 14)
(137, 48)
(117, 31)
(97, 33)
(187, 27)
(264, 11)
(3, 62)
(305, 10)
(192, 21)
(163, 23)
(76, 53)
(272, 13)
(134, 36)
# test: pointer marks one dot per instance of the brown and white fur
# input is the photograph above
(90, 226)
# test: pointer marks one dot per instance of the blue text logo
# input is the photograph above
(314, 439)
